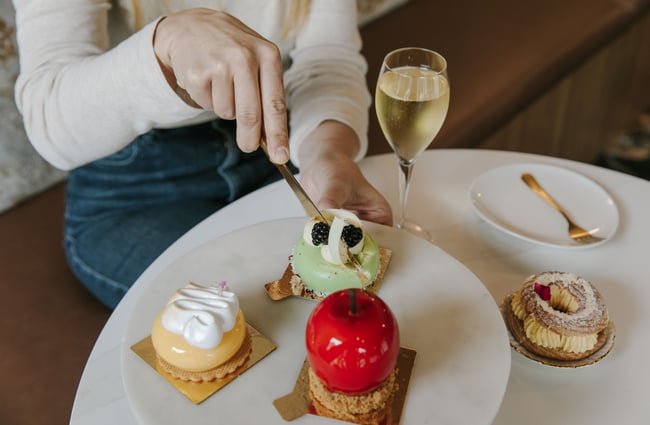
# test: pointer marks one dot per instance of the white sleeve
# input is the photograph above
(80, 101)
(326, 80)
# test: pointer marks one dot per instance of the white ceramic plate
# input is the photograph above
(444, 312)
(501, 198)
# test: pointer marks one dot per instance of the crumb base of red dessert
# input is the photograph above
(371, 408)
(219, 372)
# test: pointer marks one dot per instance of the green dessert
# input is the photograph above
(323, 276)
(335, 255)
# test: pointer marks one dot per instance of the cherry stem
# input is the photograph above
(353, 301)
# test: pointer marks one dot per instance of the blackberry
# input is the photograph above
(319, 233)
(352, 235)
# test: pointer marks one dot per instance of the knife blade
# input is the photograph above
(307, 204)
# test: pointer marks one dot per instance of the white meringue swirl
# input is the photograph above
(201, 314)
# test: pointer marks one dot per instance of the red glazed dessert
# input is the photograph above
(352, 341)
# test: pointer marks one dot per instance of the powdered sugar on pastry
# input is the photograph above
(561, 313)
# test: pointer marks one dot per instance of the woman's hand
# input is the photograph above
(332, 178)
(215, 62)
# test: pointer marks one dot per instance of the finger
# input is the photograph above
(223, 97)
(248, 110)
(196, 87)
(370, 205)
(364, 200)
(380, 213)
(274, 109)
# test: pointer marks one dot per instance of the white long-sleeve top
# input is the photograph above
(89, 81)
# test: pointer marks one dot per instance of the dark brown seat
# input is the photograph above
(49, 321)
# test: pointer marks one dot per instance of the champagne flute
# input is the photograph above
(411, 100)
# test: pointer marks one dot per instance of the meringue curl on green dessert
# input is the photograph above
(322, 256)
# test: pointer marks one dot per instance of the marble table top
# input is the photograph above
(611, 391)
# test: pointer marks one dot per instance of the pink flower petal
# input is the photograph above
(222, 286)
(543, 291)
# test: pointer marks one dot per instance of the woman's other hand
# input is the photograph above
(332, 178)
(215, 62)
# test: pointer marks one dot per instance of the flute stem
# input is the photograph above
(405, 171)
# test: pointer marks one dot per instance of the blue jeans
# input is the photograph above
(124, 210)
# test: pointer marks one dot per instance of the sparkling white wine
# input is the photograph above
(411, 104)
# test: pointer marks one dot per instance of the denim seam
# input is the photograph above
(231, 157)
(86, 268)
(124, 157)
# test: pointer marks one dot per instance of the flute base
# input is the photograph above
(414, 229)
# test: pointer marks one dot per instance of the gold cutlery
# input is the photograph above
(576, 232)
(307, 204)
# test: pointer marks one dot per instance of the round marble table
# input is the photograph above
(612, 391)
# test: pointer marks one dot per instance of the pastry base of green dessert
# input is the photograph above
(323, 277)
(290, 284)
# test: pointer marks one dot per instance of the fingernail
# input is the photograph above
(281, 155)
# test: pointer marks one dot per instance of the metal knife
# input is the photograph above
(308, 205)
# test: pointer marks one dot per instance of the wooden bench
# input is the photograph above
(558, 78)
